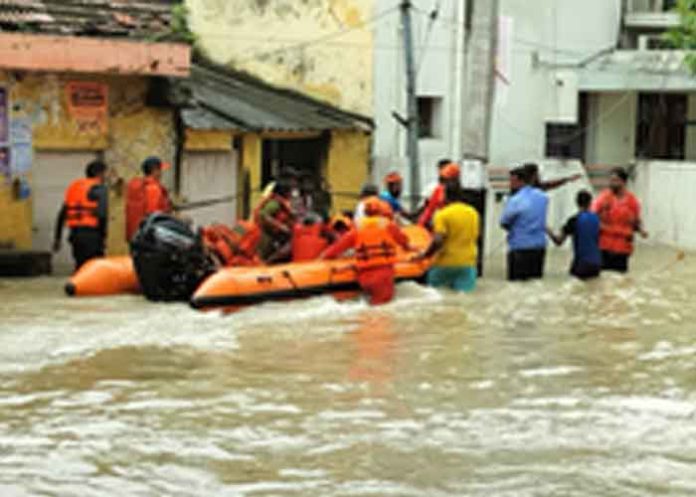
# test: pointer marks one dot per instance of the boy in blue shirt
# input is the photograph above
(584, 229)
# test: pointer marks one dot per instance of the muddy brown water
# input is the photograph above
(554, 388)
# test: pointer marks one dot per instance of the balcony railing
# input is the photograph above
(650, 6)
(651, 15)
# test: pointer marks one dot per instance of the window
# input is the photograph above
(430, 117)
(669, 5)
(661, 127)
(567, 141)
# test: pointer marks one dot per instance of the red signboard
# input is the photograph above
(88, 105)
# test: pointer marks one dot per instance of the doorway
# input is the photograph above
(53, 172)
(306, 156)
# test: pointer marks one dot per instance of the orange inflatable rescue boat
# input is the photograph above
(104, 276)
(233, 288)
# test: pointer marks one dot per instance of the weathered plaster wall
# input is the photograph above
(15, 221)
(348, 166)
(135, 131)
(208, 141)
(254, 36)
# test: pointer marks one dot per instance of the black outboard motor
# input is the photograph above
(169, 258)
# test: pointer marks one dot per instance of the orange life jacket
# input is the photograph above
(81, 212)
(144, 196)
(619, 217)
(234, 246)
(435, 203)
(308, 242)
(374, 244)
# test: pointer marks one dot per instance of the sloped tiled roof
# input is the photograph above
(102, 18)
(226, 99)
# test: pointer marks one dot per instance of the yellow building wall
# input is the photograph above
(254, 36)
(134, 132)
(252, 150)
(15, 221)
(347, 168)
(208, 141)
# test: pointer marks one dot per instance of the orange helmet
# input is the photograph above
(373, 206)
(393, 177)
(450, 171)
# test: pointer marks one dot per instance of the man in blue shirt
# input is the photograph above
(524, 218)
(394, 185)
(584, 228)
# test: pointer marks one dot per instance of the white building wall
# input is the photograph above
(666, 191)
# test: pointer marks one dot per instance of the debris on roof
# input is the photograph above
(140, 19)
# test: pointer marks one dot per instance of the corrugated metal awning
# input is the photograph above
(222, 96)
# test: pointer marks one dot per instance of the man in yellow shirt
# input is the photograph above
(456, 233)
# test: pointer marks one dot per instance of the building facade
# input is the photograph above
(78, 84)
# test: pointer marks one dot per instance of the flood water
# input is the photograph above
(554, 388)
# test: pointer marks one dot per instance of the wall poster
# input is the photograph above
(88, 105)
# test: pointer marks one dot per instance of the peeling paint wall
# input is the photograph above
(254, 36)
(135, 131)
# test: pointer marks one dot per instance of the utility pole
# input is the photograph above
(412, 120)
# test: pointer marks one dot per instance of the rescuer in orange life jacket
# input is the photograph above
(85, 212)
(310, 238)
(375, 239)
(146, 195)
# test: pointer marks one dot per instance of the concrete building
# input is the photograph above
(595, 86)
(575, 87)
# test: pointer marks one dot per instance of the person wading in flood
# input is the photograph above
(524, 218)
(375, 240)
(456, 230)
(85, 212)
(584, 229)
(619, 212)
